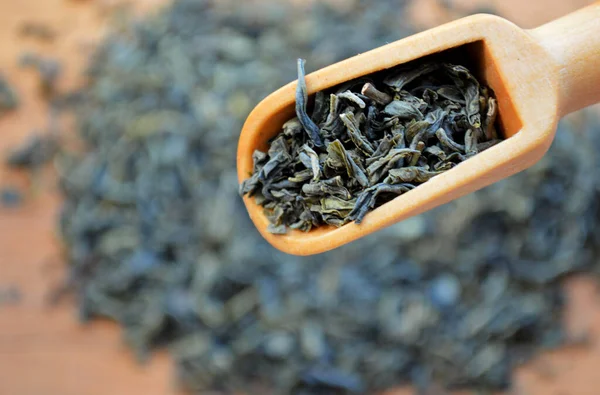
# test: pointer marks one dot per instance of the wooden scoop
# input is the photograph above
(538, 76)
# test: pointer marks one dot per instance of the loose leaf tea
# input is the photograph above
(368, 141)
(10, 295)
(49, 70)
(9, 100)
(37, 30)
(158, 239)
(10, 197)
(34, 152)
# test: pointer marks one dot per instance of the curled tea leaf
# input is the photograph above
(406, 76)
(333, 187)
(359, 140)
(447, 142)
(490, 119)
(277, 229)
(301, 101)
(391, 160)
(367, 199)
(409, 174)
(469, 85)
(338, 157)
(314, 162)
(353, 98)
(403, 110)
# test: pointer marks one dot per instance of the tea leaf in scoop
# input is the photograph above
(379, 140)
(469, 86)
(301, 101)
(409, 174)
(490, 119)
(406, 76)
(367, 199)
(403, 110)
(9, 99)
(313, 162)
(356, 136)
(447, 142)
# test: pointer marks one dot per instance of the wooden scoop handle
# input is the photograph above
(573, 42)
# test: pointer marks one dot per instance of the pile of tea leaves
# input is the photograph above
(362, 146)
(9, 99)
(159, 240)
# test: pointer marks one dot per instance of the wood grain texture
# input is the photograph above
(44, 351)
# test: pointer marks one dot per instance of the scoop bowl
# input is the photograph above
(538, 77)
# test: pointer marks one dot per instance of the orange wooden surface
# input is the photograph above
(43, 351)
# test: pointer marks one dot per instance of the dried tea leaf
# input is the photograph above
(9, 100)
(409, 174)
(301, 101)
(403, 110)
(404, 77)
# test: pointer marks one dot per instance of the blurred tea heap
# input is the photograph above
(158, 238)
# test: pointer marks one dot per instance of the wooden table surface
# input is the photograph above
(44, 351)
